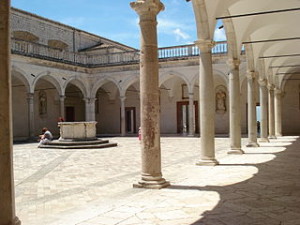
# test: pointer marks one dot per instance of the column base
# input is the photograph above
(264, 140)
(207, 162)
(152, 184)
(16, 222)
(278, 135)
(191, 135)
(252, 144)
(272, 137)
(235, 151)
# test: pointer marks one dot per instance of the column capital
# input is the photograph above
(205, 45)
(233, 63)
(62, 97)
(271, 87)
(123, 98)
(250, 74)
(279, 92)
(30, 96)
(90, 100)
(147, 7)
(262, 82)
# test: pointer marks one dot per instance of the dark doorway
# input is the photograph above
(70, 114)
(130, 119)
(183, 117)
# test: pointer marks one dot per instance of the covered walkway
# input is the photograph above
(94, 187)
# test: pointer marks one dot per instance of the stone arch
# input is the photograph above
(51, 79)
(78, 83)
(24, 36)
(101, 82)
(21, 75)
(128, 83)
(58, 44)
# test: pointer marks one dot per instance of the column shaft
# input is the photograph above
(123, 119)
(30, 102)
(191, 115)
(62, 106)
(278, 112)
(149, 89)
(263, 112)
(7, 198)
(271, 114)
(252, 125)
(90, 109)
(235, 108)
(207, 105)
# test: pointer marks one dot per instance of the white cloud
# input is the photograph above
(180, 34)
(219, 35)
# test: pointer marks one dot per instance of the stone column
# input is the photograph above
(123, 119)
(252, 125)
(30, 102)
(207, 104)
(90, 109)
(191, 115)
(235, 107)
(263, 91)
(7, 198)
(271, 113)
(151, 176)
(278, 120)
(62, 106)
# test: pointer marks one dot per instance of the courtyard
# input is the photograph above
(94, 186)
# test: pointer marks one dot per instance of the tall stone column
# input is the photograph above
(271, 113)
(278, 113)
(30, 102)
(207, 104)
(90, 109)
(235, 107)
(62, 106)
(263, 91)
(191, 115)
(7, 198)
(151, 176)
(252, 125)
(123, 120)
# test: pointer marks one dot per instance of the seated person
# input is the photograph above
(45, 137)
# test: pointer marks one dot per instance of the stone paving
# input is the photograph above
(94, 186)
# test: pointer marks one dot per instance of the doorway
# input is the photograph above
(70, 114)
(183, 117)
(130, 120)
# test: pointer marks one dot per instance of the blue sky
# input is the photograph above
(114, 19)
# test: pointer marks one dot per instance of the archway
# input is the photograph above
(132, 108)
(107, 107)
(74, 104)
(46, 105)
(20, 88)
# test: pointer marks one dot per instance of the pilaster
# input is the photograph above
(278, 112)
(271, 112)
(123, 120)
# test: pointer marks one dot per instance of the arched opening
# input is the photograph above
(20, 107)
(24, 36)
(46, 106)
(132, 109)
(74, 104)
(107, 107)
(57, 44)
(174, 102)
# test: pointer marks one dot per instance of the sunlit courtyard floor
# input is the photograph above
(94, 186)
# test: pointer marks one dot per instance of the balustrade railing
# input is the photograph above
(45, 52)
